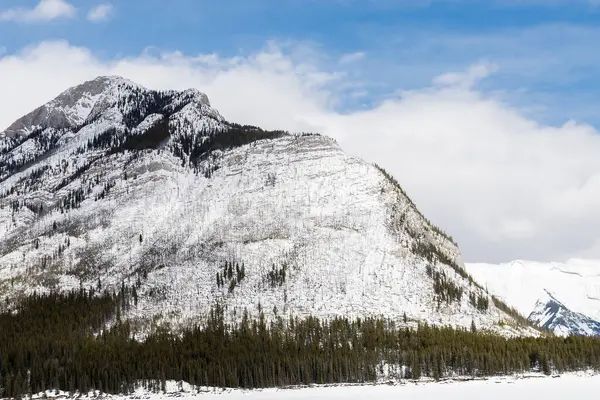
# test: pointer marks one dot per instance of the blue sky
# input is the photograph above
(406, 43)
(487, 112)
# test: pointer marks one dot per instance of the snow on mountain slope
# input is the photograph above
(562, 297)
(157, 190)
(549, 313)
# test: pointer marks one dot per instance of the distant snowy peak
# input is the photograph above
(564, 298)
(549, 313)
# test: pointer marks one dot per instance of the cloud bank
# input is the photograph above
(504, 185)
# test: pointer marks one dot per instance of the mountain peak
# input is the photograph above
(113, 79)
(69, 108)
(109, 111)
(73, 106)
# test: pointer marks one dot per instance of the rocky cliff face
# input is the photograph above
(113, 184)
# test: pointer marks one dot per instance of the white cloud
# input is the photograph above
(100, 13)
(503, 184)
(46, 10)
(352, 57)
(467, 79)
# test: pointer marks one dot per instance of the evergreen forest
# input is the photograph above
(78, 341)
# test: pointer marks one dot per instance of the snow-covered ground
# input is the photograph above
(525, 389)
(576, 386)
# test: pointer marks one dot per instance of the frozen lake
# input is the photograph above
(577, 387)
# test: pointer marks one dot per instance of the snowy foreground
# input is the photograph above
(580, 386)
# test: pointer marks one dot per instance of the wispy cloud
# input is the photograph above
(46, 10)
(466, 79)
(100, 13)
(352, 57)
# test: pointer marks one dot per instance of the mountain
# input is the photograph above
(112, 184)
(551, 314)
(561, 297)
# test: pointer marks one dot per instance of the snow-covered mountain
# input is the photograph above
(551, 314)
(564, 298)
(112, 184)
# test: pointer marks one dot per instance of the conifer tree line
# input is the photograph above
(78, 342)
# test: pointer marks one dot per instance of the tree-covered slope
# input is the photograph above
(68, 342)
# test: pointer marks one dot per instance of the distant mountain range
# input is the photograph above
(564, 298)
